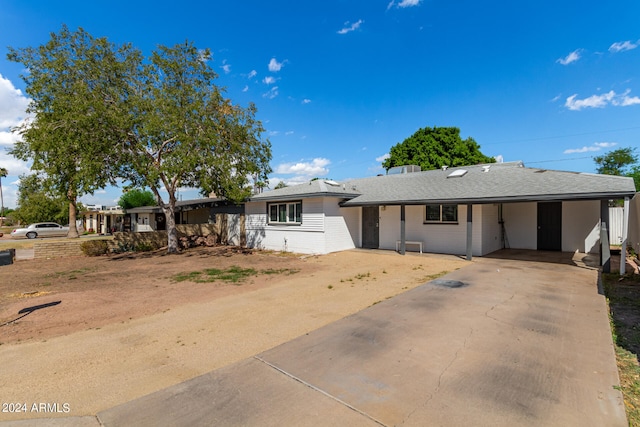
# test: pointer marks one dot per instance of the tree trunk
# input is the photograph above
(73, 230)
(172, 231)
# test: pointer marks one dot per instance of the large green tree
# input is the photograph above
(103, 111)
(37, 204)
(76, 84)
(187, 134)
(135, 198)
(432, 148)
(622, 162)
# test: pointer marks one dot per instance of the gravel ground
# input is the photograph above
(124, 328)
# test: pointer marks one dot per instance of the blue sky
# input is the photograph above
(338, 82)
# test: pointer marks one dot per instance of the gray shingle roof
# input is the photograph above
(317, 188)
(500, 182)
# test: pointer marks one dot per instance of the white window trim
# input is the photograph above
(289, 205)
(440, 221)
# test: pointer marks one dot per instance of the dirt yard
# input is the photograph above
(112, 329)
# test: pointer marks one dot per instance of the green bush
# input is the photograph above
(145, 247)
(94, 247)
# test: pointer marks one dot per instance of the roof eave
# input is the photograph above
(498, 199)
(303, 196)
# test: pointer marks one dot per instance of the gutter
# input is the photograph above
(492, 200)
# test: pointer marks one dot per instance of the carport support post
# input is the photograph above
(605, 251)
(469, 232)
(403, 232)
(625, 231)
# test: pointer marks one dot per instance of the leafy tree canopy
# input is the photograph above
(76, 84)
(104, 111)
(622, 162)
(186, 133)
(135, 198)
(36, 204)
(616, 162)
(432, 148)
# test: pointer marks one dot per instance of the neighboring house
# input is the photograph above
(197, 211)
(472, 210)
(102, 219)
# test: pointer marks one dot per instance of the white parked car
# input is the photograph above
(40, 229)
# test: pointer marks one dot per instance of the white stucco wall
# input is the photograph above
(581, 226)
(580, 229)
(521, 225)
(441, 238)
(491, 230)
(339, 225)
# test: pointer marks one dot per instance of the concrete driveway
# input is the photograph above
(522, 342)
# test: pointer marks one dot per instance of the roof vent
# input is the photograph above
(486, 168)
(403, 169)
(457, 173)
(331, 182)
(445, 167)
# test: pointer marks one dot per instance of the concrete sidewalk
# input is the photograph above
(513, 343)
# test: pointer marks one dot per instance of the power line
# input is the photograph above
(560, 136)
(558, 160)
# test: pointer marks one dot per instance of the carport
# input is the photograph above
(493, 207)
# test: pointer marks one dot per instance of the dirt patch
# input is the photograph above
(124, 327)
(102, 290)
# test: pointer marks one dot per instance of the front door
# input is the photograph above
(370, 225)
(160, 223)
(550, 226)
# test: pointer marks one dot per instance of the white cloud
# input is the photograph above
(275, 66)
(315, 168)
(383, 157)
(13, 104)
(572, 57)
(14, 166)
(272, 93)
(226, 68)
(252, 74)
(306, 101)
(245, 89)
(289, 132)
(626, 100)
(403, 3)
(601, 101)
(348, 28)
(269, 80)
(597, 146)
(499, 158)
(622, 46)
(593, 101)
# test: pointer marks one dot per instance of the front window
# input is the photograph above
(442, 214)
(285, 213)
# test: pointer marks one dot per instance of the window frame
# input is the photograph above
(284, 213)
(441, 214)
